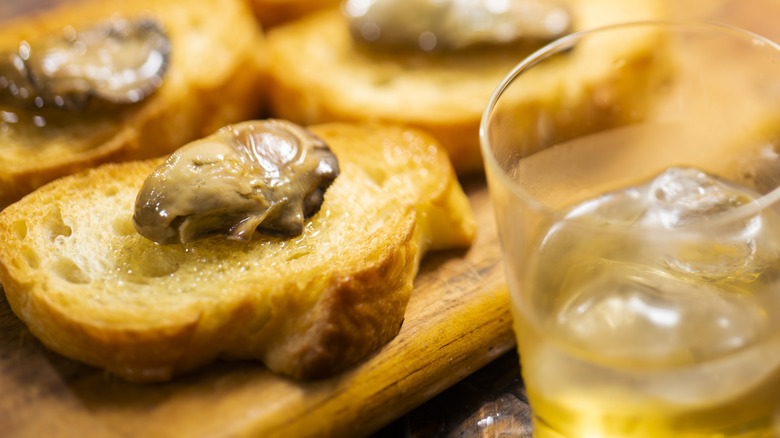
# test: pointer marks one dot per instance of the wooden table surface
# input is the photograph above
(459, 372)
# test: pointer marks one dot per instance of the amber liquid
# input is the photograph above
(573, 398)
(639, 334)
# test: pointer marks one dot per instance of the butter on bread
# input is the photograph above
(213, 78)
(90, 287)
(319, 74)
(275, 12)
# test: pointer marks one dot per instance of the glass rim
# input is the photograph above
(741, 212)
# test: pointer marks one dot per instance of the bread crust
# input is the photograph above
(215, 77)
(275, 12)
(76, 272)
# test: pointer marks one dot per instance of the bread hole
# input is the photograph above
(371, 173)
(156, 265)
(123, 226)
(31, 257)
(298, 254)
(70, 271)
(110, 190)
(20, 228)
(378, 176)
(136, 279)
(383, 80)
(54, 223)
(143, 262)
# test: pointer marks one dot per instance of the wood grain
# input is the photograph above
(457, 321)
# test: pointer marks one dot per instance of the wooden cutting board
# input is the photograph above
(457, 321)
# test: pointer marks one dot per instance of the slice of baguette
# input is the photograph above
(90, 287)
(315, 78)
(214, 77)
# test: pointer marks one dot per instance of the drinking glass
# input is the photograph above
(633, 171)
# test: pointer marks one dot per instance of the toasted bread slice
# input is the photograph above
(214, 77)
(316, 79)
(275, 12)
(90, 287)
